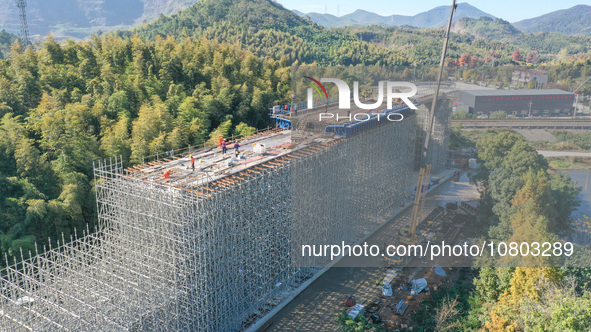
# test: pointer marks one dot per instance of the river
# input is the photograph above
(583, 179)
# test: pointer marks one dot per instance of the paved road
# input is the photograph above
(564, 154)
(316, 307)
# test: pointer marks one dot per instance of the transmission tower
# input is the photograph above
(22, 4)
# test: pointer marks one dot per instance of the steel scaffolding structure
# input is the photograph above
(214, 254)
(438, 149)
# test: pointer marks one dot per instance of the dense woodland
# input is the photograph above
(135, 93)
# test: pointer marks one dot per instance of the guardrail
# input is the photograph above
(194, 149)
(530, 123)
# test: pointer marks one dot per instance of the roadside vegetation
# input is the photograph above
(567, 141)
(570, 162)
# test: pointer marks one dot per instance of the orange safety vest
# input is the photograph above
(192, 160)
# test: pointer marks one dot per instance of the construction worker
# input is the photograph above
(236, 146)
(220, 139)
(224, 149)
(167, 174)
(192, 163)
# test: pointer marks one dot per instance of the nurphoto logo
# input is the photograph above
(345, 93)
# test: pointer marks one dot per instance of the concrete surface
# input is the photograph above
(564, 154)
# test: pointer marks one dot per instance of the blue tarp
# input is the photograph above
(387, 290)
(440, 271)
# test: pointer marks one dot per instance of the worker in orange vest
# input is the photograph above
(192, 163)
(167, 174)
(220, 139)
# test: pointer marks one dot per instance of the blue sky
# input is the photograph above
(511, 11)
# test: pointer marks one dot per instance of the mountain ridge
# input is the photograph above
(571, 21)
(433, 18)
(80, 18)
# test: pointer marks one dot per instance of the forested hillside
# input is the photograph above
(64, 106)
(268, 30)
(486, 28)
(484, 39)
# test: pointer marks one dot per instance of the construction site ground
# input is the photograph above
(316, 308)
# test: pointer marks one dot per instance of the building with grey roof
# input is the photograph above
(520, 103)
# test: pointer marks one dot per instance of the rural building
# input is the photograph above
(523, 77)
(520, 103)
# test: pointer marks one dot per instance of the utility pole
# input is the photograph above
(292, 105)
(577, 97)
(24, 37)
(424, 154)
(530, 103)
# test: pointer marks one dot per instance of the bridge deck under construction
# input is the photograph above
(217, 170)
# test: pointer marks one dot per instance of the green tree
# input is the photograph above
(492, 282)
(461, 114)
(115, 140)
(559, 308)
(346, 324)
(222, 131)
(492, 147)
(149, 131)
(243, 130)
(498, 115)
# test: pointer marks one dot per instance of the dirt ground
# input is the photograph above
(400, 292)
(537, 134)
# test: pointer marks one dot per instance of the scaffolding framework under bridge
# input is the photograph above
(215, 252)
